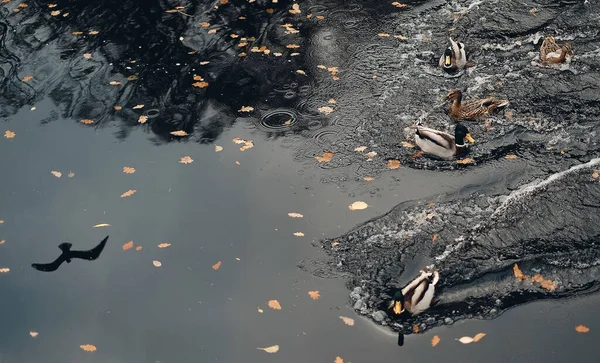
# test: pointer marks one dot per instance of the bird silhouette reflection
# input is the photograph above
(68, 254)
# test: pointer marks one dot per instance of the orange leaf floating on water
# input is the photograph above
(27, 78)
(101, 225)
(298, 234)
(218, 148)
(138, 248)
(274, 304)
(327, 157)
(247, 145)
(271, 349)
(186, 160)
(465, 161)
(57, 174)
(200, 84)
(9, 134)
(87, 55)
(33, 334)
(295, 215)
(510, 156)
(518, 273)
(143, 119)
(212, 31)
(358, 205)
(114, 83)
(137, 107)
(88, 347)
(117, 108)
(314, 295)
(338, 359)
(292, 46)
(55, 13)
(246, 109)
(237, 162)
(478, 337)
(466, 340)
(2, 242)
(87, 121)
(415, 329)
(435, 340)
(156, 263)
(546, 284)
(127, 245)
(383, 35)
(4, 270)
(325, 110)
(347, 321)
(179, 133)
(368, 178)
(582, 329)
(205, 24)
(128, 193)
(128, 170)
(164, 245)
(393, 164)
(216, 265)
(399, 5)
(93, 32)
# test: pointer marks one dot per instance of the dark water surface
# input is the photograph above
(217, 210)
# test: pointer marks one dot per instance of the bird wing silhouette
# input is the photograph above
(89, 255)
(52, 266)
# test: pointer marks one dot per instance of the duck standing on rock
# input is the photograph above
(472, 108)
(417, 296)
(440, 143)
(551, 52)
(454, 57)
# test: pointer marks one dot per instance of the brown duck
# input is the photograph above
(551, 52)
(472, 108)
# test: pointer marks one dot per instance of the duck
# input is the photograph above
(551, 52)
(442, 144)
(454, 56)
(417, 296)
(472, 108)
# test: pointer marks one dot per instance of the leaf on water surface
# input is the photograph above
(292, 46)
(57, 174)
(237, 259)
(212, 31)
(368, 178)
(2, 241)
(246, 109)
(114, 83)
(128, 193)
(435, 340)
(295, 9)
(71, 174)
(399, 5)
(186, 160)
(164, 245)
(315, 295)
(278, 54)
(143, 119)
(465, 161)
(260, 310)
(478, 337)
(87, 55)
(518, 273)
(93, 32)
(127, 246)
(383, 35)
(223, 2)
(49, 5)
(299, 71)
(76, 33)
(4, 270)
(320, 17)
(415, 329)
(216, 265)
(274, 304)
(247, 145)
(205, 24)
(138, 107)
(401, 37)
(271, 349)
(295, 215)
(237, 162)
(298, 234)
(338, 359)
(325, 110)
(582, 329)
(218, 148)
(200, 84)
(332, 100)
(546, 284)
(157, 263)
(87, 121)
(510, 156)
(9, 134)
(33, 334)
(117, 108)
(327, 157)
(27, 78)
(88, 347)
(360, 149)
(393, 164)
(138, 248)
(101, 225)
(407, 145)
(55, 13)
(270, 11)
(179, 133)
(334, 244)
(466, 340)
(358, 205)
(347, 321)
(128, 170)
(203, 63)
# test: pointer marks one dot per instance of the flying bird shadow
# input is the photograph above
(67, 254)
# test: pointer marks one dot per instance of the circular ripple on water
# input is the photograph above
(325, 135)
(278, 120)
(153, 113)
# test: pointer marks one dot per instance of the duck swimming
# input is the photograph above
(472, 108)
(417, 296)
(551, 52)
(454, 56)
(442, 144)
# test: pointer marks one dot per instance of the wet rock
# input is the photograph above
(359, 304)
(379, 316)
(448, 321)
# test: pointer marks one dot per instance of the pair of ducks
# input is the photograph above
(446, 146)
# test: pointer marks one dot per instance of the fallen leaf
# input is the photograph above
(136, 107)
(9, 134)
(383, 35)
(27, 78)
(434, 238)
(93, 32)
(114, 83)
(200, 84)
(117, 108)
(358, 205)
(218, 148)
(57, 174)
(4, 270)
(203, 63)
(407, 145)
(127, 245)
(216, 265)
(298, 234)
(320, 17)
(334, 244)
(143, 119)
(478, 337)
(417, 154)
(33, 334)
(260, 310)
(368, 178)
(87, 55)
(138, 248)
(128, 170)
(401, 37)
(186, 160)
(270, 11)
(435, 340)
(88, 347)
(518, 273)
(156, 263)
(546, 284)
(246, 109)
(314, 295)
(596, 175)
(398, 5)
(49, 5)
(347, 321)
(292, 46)
(128, 193)
(274, 304)
(582, 329)
(271, 349)
(237, 259)
(212, 31)
(393, 164)
(331, 100)
(247, 145)
(370, 155)
(87, 121)
(164, 245)
(510, 156)
(325, 110)
(327, 157)
(179, 133)
(76, 33)
(295, 215)
(466, 340)
(205, 24)
(71, 174)
(2, 242)
(464, 161)
(237, 140)
(55, 12)
(101, 225)
(237, 162)
(338, 359)
(360, 149)
(429, 216)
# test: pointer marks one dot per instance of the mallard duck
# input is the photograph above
(417, 296)
(440, 143)
(454, 56)
(471, 108)
(551, 52)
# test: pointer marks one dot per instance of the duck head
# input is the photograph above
(398, 302)
(461, 133)
(448, 58)
(454, 95)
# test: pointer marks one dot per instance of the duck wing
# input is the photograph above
(439, 138)
(548, 46)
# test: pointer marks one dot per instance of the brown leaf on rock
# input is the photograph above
(216, 265)
(179, 133)
(435, 340)
(518, 273)
(274, 304)
(88, 347)
(128, 193)
(9, 134)
(186, 160)
(128, 170)
(546, 284)
(87, 121)
(2, 242)
(393, 164)
(582, 329)
(314, 295)
(57, 174)
(347, 321)
(164, 245)
(327, 157)
(127, 246)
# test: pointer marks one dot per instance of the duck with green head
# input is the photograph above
(417, 296)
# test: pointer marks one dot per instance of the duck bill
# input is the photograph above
(469, 138)
(398, 307)
(448, 62)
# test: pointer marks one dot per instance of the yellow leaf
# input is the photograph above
(466, 340)
(164, 245)
(510, 156)
(358, 205)
(57, 174)
(114, 83)
(274, 304)
(582, 329)
(179, 133)
(27, 78)
(271, 349)
(127, 246)
(88, 347)
(299, 71)
(246, 109)
(435, 340)
(407, 145)
(4, 270)
(93, 32)
(216, 265)
(314, 295)
(368, 178)
(298, 234)
(87, 55)
(464, 161)
(295, 215)
(393, 164)
(33, 334)
(518, 273)
(9, 134)
(338, 359)
(71, 174)
(478, 337)
(218, 148)
(128, 170)
(383, 34)
(327, 157)
(200, 84)
(87, 121)
(347, 321)
(398, 5)
(292, 46)
(156, 263)
(138, 107)
(186, 160)
(128, 193)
